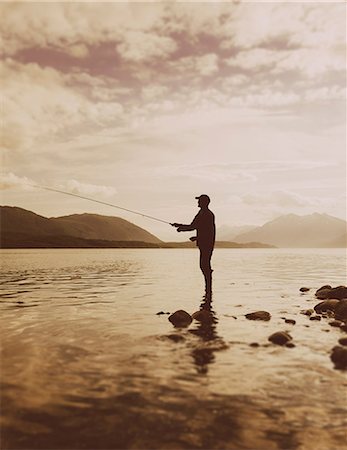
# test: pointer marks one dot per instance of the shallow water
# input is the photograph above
(88, 364)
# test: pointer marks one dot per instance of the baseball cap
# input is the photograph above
(203, 197)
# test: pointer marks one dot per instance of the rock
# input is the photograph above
(290, 345)
(339, 292)
(326, 305)
(258, 315)
(307, 312)
(292, 321)
(339, 357)
(180, 318)
(162, 312)
(326, 292)
(343, 341)
(315, 318)
(304, 289)
(254, 344)
(323, 294)
(326, 286)
(344, 328)
(336, 323)
(203, 316)
(280, 338)
(175, 337)
(341, 310)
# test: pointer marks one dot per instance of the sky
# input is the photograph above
(147, 105)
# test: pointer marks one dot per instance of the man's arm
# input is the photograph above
(183, 227)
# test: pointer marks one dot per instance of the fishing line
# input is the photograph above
(98, 201)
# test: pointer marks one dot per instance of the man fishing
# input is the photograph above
(204, 224)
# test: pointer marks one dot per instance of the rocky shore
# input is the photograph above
(332, 308)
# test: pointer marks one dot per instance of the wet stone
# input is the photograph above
(258, 315)
(341, 310)
(307, 312)
(343, 341)
(280, 338)
(339, 357)
(336, 323)
(290, 344)
(326, 305)
(203, 316)
(291, 321)
(180, 318)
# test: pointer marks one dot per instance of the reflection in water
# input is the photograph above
(206, 329)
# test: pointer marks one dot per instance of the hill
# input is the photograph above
(229, 233)
(315, 230)
(26, 226)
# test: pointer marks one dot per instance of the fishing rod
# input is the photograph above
(98, 201)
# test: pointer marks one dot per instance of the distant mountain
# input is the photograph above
(31, 227)
(229, 233)
(94, 226)
(315, 230)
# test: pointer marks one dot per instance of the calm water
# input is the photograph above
(88, 364)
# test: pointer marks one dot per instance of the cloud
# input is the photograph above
(77, 187)
(39, 103)
(281, 198)
(10, 180)
(137, 46)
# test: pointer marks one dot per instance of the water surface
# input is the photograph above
(88, 364)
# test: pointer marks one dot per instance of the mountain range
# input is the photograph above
(291, 230)
(21, 228)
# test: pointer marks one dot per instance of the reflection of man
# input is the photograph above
(204, 224)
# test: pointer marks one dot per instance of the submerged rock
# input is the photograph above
(339, 357)
(280, 338)
(180, 318)
(341, 310)
(203, 316)
(175, 337)
(259, 315)
(326, 305)
(304, 289)
(343, 341)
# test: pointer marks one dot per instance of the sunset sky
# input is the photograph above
(146, 105)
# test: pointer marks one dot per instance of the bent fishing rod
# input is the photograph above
(99, 201)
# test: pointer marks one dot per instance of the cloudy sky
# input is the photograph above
(146, 105)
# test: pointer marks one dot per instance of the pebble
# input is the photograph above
(292, 321)
(304, 289)
(307, 312)
(315, 318)
(280, 338)
(336, 323)
(258, 315)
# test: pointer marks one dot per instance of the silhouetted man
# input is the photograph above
(204, 224)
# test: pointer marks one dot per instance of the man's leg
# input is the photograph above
(205, 266)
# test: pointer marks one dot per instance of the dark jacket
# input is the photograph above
(206, 230)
